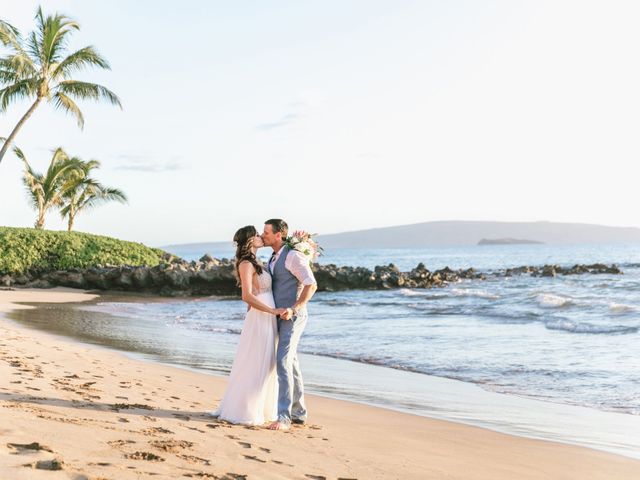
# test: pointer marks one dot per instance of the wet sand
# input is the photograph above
(73, 411)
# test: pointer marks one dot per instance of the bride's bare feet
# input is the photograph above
(279, 426)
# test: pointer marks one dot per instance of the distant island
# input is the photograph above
(508, 241)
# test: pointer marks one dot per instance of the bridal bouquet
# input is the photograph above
(303, 242)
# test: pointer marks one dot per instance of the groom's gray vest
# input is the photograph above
(284, 285)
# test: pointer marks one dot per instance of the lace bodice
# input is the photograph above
(264, 282)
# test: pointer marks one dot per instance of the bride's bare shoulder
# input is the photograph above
(247, 265)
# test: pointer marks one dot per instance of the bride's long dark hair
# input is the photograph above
(244, 241)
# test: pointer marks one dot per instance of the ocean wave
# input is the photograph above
(411, 293)
(576, 327)
(621, 307)
(554, 301)
(340, 303)
(461, 292)
(406, 292)
(510, 317)
(439, 310)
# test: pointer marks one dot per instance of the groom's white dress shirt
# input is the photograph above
(297, 264)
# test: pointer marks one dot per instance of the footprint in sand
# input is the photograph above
(120, 443)
(194, 429)
(244, 444)
(153, 431)
(254, 458)
(171, 446)
(194, 459)
(148, 456)
(205, 475)
(181, 416)
(134, 406)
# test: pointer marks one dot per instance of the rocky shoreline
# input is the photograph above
(211, 276)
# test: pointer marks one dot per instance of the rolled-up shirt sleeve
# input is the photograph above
(299, 266)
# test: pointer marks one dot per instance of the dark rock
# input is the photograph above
(53, 464)
(206, 258)
(549, 271)
(217, 277)
(39, 284)
(21, 279)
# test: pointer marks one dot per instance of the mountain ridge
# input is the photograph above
(445, 233)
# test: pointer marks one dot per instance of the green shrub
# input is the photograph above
(23, 249)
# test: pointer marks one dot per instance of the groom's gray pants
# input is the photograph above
(290, 386)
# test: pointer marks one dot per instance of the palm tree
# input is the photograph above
(86, 192)
(47, 190)
(40, 68)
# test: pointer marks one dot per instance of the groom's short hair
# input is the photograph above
(278, 226)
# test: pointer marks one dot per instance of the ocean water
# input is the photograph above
(569, 340)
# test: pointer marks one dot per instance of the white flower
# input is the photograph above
(303, 247)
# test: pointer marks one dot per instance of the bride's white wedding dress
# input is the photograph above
(251, 397)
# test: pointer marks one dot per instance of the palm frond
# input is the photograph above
(19, 153)
(88, 91)
(17, 91)
(86, 192)
(8, 33)
(101, 195)
(34, 48)
(58, 179)
(79, 60)
(61, 101)
(54, 31)
(8, 76)
(20, 64)
(31, 180)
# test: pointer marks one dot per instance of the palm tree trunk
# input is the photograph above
(70, 223)
(13, 134)
(40, 221)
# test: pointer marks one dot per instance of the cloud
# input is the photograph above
(142, 163)
(288, 119)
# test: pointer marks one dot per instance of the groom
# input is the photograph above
(293, 286)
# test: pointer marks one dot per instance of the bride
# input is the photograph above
(252, 392)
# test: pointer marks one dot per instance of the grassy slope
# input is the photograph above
(23, 249)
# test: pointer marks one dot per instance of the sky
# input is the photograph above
(345, 115)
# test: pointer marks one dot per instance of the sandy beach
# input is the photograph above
(70, 411)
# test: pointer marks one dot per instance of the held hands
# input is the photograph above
(284, 313)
